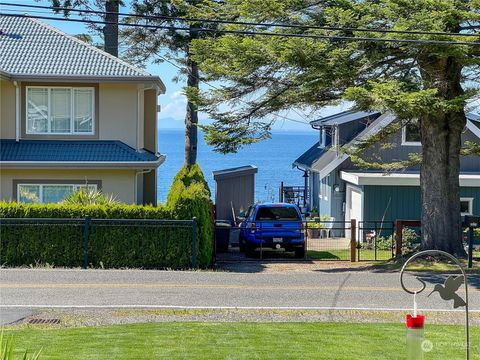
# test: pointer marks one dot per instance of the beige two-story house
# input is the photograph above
(72, 116)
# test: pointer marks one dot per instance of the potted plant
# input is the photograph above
(313, 229)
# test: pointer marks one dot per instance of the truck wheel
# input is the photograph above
(300, 252)
(250, 250)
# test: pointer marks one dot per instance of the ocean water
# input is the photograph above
(273, 157)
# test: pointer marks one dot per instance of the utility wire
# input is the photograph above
(246, 23)
(256, 33)
(217, 88)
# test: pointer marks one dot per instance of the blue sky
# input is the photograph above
(173, 103)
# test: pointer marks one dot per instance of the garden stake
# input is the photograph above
(415, 346)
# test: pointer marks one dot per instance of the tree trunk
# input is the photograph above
(191, 117)
(439, 175)
(110, 31)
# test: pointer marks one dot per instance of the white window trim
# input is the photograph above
(40, 185)
(72, 111)
(327, 183)
(470, 205)
(404, 139)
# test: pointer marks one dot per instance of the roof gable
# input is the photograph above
(330, 160)
(33, 48)
(343, 118)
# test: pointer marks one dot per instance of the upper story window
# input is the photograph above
(60, 110)
(411, 134)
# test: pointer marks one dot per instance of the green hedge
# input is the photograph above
(115, 211)
(139, 246)
(189, 197)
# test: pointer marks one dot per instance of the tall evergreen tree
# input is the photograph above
(109, 31)
(417, 81)
(169, 44)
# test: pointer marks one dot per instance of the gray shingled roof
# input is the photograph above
(31, 47)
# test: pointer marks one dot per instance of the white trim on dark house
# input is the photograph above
(470, 205)
(399, 179)
(406, 142)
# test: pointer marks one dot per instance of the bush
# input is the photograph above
(189, 197)
(138, 245)
(89, 196)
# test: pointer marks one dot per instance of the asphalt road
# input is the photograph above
(50, 288)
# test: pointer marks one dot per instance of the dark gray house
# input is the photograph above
(340, 189)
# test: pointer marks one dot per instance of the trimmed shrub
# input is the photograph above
(189, 197)
(110, 244)
(139, 245)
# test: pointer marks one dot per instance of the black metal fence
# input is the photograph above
(376, 240)
(328, 239)
(109, 243)
(323, 240)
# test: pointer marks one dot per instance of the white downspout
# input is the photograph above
(136, 182)
(17, 111)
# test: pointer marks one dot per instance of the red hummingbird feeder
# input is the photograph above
(415, 333)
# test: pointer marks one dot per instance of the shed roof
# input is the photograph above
(235, 172)
(31, 48)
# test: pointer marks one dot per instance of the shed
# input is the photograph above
(235, 188)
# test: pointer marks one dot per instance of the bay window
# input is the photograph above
(60, 110)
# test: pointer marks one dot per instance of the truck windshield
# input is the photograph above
(277, 213)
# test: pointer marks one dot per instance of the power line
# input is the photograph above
(256, 33)
(217, 88)
(246, 23)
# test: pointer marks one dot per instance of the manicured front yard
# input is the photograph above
(344, 254)
(240, 341)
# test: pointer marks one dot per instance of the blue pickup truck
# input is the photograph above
(272, 226)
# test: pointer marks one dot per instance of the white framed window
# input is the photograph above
(411, 134)
(324, 187)
(48, 193)
(466, 206)
(60, 110)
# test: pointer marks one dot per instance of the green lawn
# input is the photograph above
(344, 254)
(176, 340)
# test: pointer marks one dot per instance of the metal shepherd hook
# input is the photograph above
(448, 291)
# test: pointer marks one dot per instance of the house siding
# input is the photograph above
(120, 183)
(403, 202)
(7, 110)
(397, 152)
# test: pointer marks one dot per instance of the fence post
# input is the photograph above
(470, 247)
(86, 234)
(398, 237)
(353, 240)
(194, 242)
